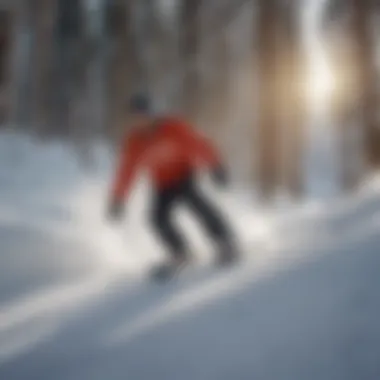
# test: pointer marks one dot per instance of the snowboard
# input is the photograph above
(165, 272)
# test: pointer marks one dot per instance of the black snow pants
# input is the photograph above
(186, 193)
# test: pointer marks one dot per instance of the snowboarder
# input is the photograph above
(172, 152)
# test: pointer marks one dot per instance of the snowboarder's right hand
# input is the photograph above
(115, 211)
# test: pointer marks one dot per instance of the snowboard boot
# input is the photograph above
(228, 255)
(168, 270)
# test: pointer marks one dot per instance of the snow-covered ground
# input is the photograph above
(304, 305)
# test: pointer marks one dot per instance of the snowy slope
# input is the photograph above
(304, 305)
(36, 216)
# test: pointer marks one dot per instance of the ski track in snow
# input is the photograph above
(74, 306)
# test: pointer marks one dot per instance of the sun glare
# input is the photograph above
(320, 79)
(320, 83)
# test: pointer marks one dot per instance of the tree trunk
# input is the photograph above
(123, 66)
(293, 104)
(141, 28)
(368, 78)
(267, 143)
(45, 18)
(189, 51)
(97, 68)
(22, 57)
(5, 48)
(67, 63)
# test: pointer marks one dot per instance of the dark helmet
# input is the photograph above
(140, 103)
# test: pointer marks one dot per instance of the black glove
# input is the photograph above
(115, 211)
(219, 176)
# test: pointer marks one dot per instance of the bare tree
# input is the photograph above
(268, 141)
(189, 51)
(293, 100)
(347, 98)
(67, 79)
(21, 63)
(363, 23)
(96, 71)
(5, 31)
(43, 55)
(123, 67)
(142, 23)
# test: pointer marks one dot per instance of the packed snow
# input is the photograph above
(74, 303)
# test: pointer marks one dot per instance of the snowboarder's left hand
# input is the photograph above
(115, 211)
(219, 175)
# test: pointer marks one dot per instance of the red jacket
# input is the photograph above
(170, 153)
